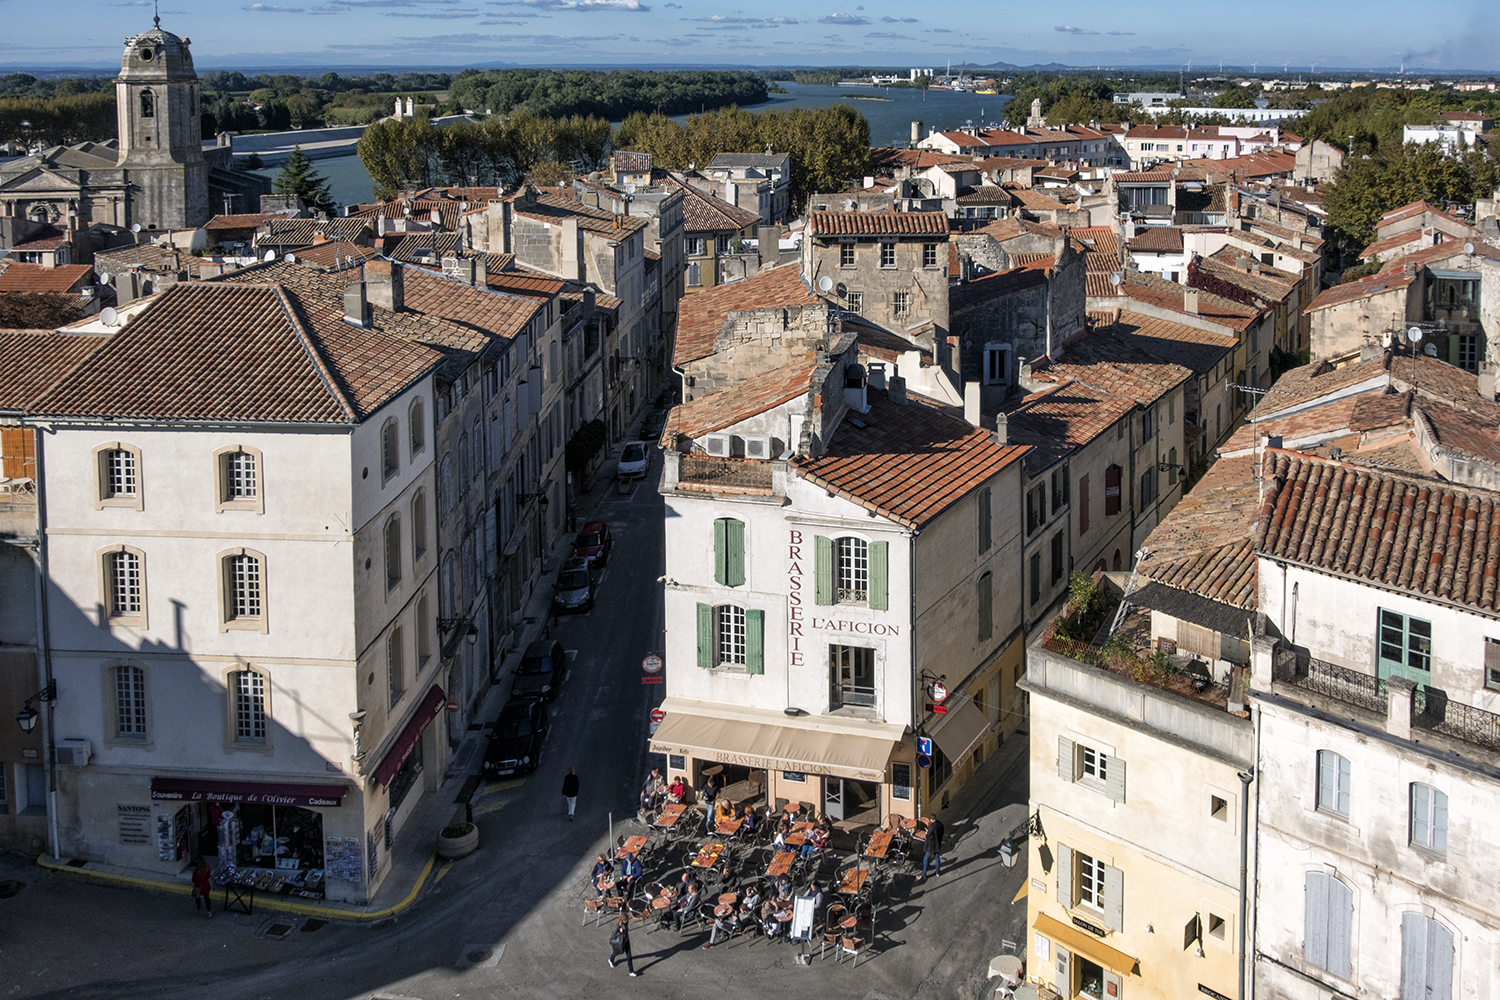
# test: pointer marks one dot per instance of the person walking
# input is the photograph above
(202, 886)
(619, 943)
(570, 790)
(933, 848)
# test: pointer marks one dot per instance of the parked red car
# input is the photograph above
(593, 543)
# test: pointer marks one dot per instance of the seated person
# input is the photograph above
(752, 896)
(630, 874)
(783, 887)
(749, 820)
(688, 905)
(723, 811)
(676, 790)
(601, 873)
(778, 843)
(816, 841)
(784, 824)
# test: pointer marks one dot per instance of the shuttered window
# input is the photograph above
(1112, 490)
(985, 516)
(731, 636)
(1426, 958)
(1036, 577)
(1329, 923)
(729, 552)
(851, 570)
(1083, 505)
(986, 601)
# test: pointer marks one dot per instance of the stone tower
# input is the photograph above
(161, 146)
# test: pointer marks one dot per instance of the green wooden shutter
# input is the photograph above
(755, 633)
(823, 569)
(880, 559)
(1453, 342)
(986, 601)
(734, 554)
(705, 635)
(721, 550)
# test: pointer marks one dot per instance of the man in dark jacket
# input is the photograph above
(570, 790)
(933, 846)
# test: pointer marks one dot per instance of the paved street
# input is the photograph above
(506, 921)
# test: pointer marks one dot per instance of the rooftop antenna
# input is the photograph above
(156, 8)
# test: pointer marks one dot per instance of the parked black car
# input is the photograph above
(516, 744)
(541, 672)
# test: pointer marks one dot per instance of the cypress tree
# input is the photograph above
(298, 177)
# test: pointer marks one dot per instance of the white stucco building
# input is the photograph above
(1377, 691)
(833, 547)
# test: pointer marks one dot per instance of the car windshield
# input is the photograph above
(574, 579)
(634, 453)
(511, 730)
(540, 666)
(587, 541)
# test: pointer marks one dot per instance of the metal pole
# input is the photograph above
(611, 827)
(1245, 778)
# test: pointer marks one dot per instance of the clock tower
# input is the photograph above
(161, 144)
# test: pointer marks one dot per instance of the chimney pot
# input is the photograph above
(1002, 430)
(356, 305)
(896, 390)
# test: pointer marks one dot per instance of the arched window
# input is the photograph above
(130, 702)
(395, 664)
(392, 552)
(242, 575)
(463, 460)
(118, 475)
(424, 632)
(124, 579)
(1172, 467)
(985, 597)
(148, 104)
(390, 449)
(450, 585)
(445, 484)
(248, 692)
(418, 526)
(416, 426)
(239, 472)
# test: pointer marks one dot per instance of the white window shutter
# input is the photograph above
(1066, 757)
(1439, 961)
(1413, 956)
(1065, 883)
(1114, 898)
(1340, 926)
(1315, 920)
(1114, 779)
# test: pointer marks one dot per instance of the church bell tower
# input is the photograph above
(161, 145)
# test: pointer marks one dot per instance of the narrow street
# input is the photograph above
(506, 920)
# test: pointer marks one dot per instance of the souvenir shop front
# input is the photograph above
(255, 833)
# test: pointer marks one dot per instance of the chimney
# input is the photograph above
(356, 306)
(896, 390)
(768, 240)
(481, 274)
(1002, 430)
(1487, 383)
(877, 375)
(1297, 240)
(971, 403)
(916, 133)
(1190, 301)
(385, 285)
(1242, 263)
(869, 181)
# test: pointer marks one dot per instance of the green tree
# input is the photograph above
(298, 177)
(1234, 97)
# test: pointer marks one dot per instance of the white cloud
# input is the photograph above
(898, 20)
(843, 19)
(587, 5)
(265, 8)
(1068, 29)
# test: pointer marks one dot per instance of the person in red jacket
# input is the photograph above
(202, 887)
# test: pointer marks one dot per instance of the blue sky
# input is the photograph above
(1444, 34)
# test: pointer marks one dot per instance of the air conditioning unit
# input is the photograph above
(74, 752)
(717, 445)
(758, 447)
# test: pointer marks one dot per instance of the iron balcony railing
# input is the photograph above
(725, 473)
(1451, 718)
(1352, 686)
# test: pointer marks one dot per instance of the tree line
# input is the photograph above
(610, 95)
(828, 147)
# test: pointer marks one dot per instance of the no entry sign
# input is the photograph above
(657, 715)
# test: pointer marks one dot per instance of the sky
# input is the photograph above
(321, 34)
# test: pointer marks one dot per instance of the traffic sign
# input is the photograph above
(452, 708)
(652, 663)
(924, 746)
(657, 715)
(923, 760)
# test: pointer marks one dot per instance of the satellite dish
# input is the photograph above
(104, 278)
(843, 290)
(270, 255)
(825, 283)
(109, 317)
(1430, 350)
(1414, 334)
(1116, 278)
(630, 189)
(289, 259)
(1469, 249)
(135, 228)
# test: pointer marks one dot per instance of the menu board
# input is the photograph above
(135, 823)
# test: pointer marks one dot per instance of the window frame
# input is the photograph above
(228, 620)
(113, 736)
(107, 616)
(900, 304)
(232, 739)
(416, 428)
(1433, 815)
(1090, 886)
(887, 255)
(390, 450)
(223, 500)
(852, 696)
(855, 302)
(419, 544)
(395, 664)
(929, 255)
(103, 497)
(847, 254)
(1338, 765)
(996, 363)
(729, 622)
(390, 537)
(847, 594)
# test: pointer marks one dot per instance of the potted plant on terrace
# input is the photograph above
(457, 840)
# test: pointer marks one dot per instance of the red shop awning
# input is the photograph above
(407, 741)
(263, 793)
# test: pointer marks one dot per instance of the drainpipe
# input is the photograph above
(1245, 778)
(911, 592)
(43, 649)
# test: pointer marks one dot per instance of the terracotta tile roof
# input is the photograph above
(881, 344)
(763, 161)
(1025, 259)
(335, 253)
(1199, 350)
(1320, 378)
(41, 244)
(1204, 546)
(472, 195)
(1114, 363)
(1269, 163)
(1143, 177)
(1436, 255)
(727, 407)
(1061, 418)
(31, 361)
(702, 213)
(399, 208)
(1286, 235)
(1165, 294)
(704, 313)
(1098, 286)
(1157, 239)
(151, 257)
(631, 162)
(1266, 282)
(908, 462)
(1099, 246)
(990, 164)
(1034, 200)
(886, 159)
(425, 246)
(1392, 531)
(253, 220)
(877, 224)
(1008, 229)
(553, 208)
(516, 283)
(1316, 426)
(1414, 209)
(1391, 243)
(992, 286)
(985, 194)
(211, 351)
(281, 232)
(1353, 291)
(46, 280)
(1375, 410)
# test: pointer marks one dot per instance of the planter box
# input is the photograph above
(453, 848)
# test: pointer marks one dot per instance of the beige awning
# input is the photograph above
(751, 742)
(961, 729)
(1090, 948)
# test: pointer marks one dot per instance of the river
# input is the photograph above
(890, 123)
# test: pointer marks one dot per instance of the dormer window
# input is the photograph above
(146, 54)
(148, 104)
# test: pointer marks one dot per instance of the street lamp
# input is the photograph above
(27, 716)
(525, 498)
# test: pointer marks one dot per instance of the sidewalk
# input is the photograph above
(412, 860)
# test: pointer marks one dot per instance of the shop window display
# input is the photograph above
(277, 849)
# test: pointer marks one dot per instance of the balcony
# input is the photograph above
(702, 472)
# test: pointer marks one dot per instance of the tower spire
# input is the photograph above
(156, 9)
